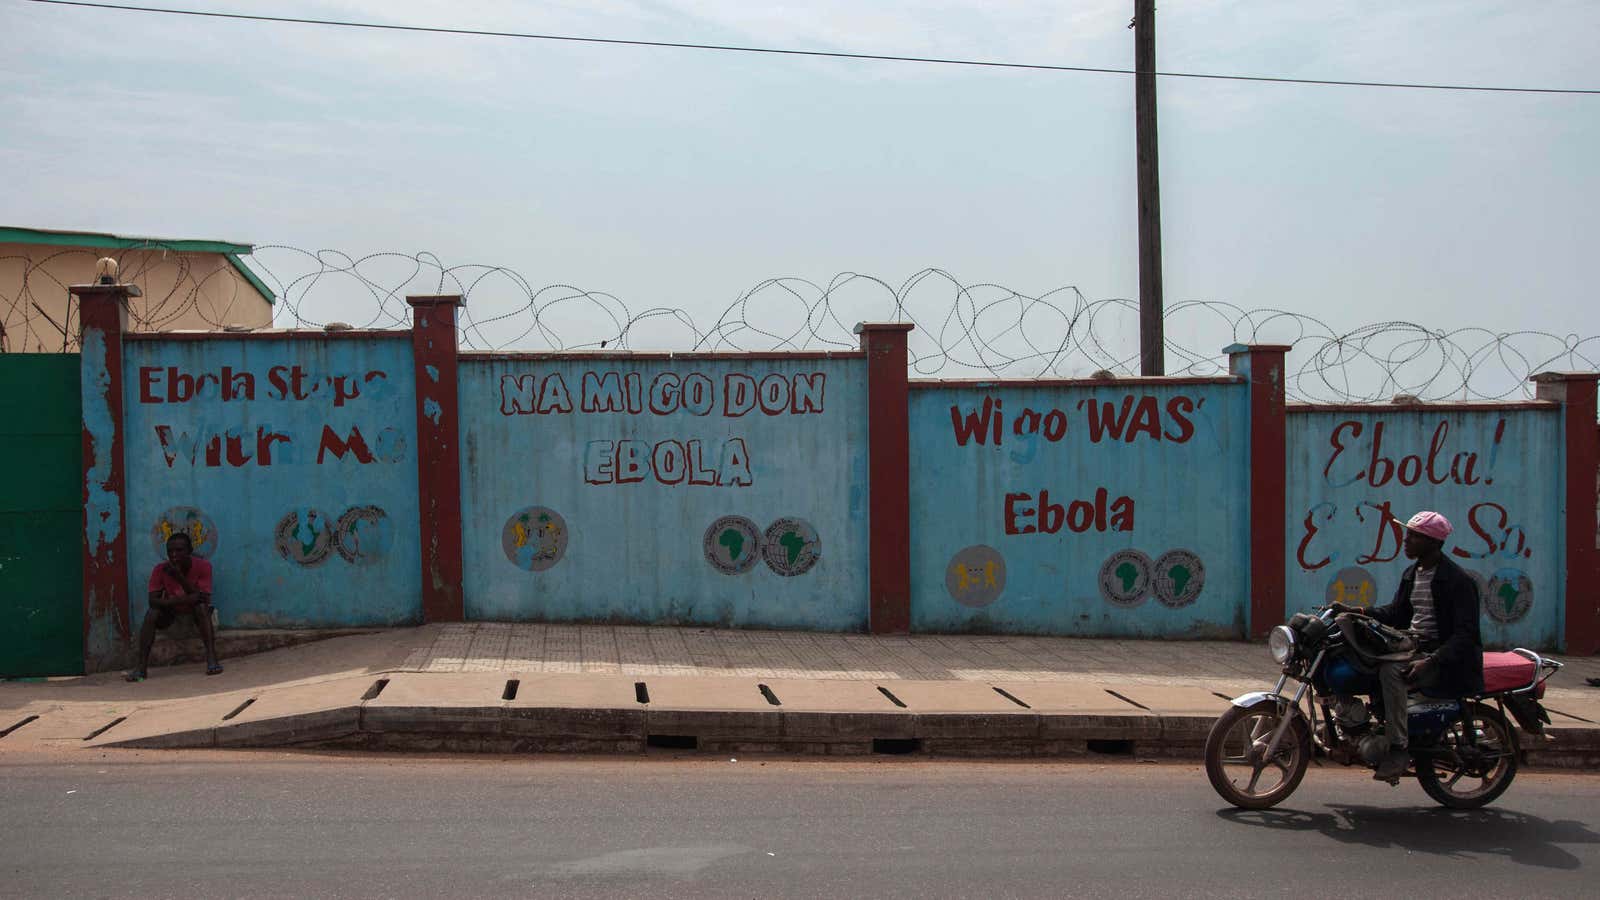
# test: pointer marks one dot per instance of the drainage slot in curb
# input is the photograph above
(1111, 747)
(18, 725)
(1221, 696)
(510, 693)
(239, 709)
(1547, 709)
(376, 689)
(767, 693)
(105, 728)
(1125, 699)
(672, 741)
(1013, 699)
(896, 746)
(892, 699)
(641, 693)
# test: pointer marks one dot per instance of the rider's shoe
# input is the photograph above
(1393, 765)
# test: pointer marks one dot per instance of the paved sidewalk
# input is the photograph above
(496, 687)
(705, 652)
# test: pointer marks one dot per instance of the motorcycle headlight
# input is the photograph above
(1280, 643)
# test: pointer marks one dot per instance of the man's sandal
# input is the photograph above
(135, 675)
(214, 669)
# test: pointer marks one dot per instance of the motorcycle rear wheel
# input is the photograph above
(1236, 751)
(1478, 779)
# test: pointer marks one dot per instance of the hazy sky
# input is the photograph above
(682, 179)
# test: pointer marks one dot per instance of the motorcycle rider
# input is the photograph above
(1438, 603)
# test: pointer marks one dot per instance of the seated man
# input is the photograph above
(179, 586)
(1438, 602)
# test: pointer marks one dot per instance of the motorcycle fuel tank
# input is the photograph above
(1340, 676)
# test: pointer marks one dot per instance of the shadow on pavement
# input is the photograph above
(1519, 837)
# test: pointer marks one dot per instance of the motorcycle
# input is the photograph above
(1464, 752)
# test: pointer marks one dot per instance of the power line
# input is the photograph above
(732, 48)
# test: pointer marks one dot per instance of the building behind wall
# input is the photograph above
(188, 285)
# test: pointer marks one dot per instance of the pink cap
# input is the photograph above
(1430, 524)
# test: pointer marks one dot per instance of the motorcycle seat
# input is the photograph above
(1506, 672)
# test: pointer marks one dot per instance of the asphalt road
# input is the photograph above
(214, 824)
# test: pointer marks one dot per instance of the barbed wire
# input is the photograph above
(179, 290)
(980, 330)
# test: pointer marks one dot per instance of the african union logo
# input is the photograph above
(1125, 578)
(1509, 596)
(185, 520)
(1177, 578)
(363, 534)
(304, 536)
(976, 576)
(790, 546)
(732, 545)
(534, 539)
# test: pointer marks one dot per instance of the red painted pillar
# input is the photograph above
(889, 477)
(1262, 366)
(1576, 393)
(102, 318)
(433, 346)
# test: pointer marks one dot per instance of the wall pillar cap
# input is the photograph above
(105, 290)
(1547, 377)
(435, 300)
(1235, 349)
(862, 327)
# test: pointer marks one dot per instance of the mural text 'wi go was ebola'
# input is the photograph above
(1133, 418)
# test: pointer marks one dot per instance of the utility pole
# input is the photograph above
(1152, 348)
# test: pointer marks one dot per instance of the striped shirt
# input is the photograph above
(1424, 621)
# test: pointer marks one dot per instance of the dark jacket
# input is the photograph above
(1455, 604)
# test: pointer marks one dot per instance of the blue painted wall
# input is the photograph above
(240, 441)
(1495, 474)
(1176, 455)
(563, 522)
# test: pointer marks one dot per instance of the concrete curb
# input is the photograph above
(358, 714)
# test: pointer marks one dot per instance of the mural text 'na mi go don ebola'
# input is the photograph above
(661, 485)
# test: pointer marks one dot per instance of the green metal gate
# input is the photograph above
(41, 515)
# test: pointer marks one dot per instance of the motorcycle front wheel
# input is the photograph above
(1470, 776)
(1236, 756)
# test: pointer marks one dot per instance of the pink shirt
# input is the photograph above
(199, 575)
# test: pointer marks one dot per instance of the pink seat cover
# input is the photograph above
(1505, 672)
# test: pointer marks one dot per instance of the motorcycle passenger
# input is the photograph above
(1438, 602)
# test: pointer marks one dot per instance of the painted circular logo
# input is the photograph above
(1509, 596)
(1352, 586)
(535, 538)
(304, 536)
(976, 576)
(185, 520)
(790, 546)
(1125, 578)
(363, 534)
(732, 545)
(1178, 578)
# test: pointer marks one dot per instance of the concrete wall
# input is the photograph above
(725, 491)
(181, 291)
(1494, 472)
(291, 461)
(1110, 508)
